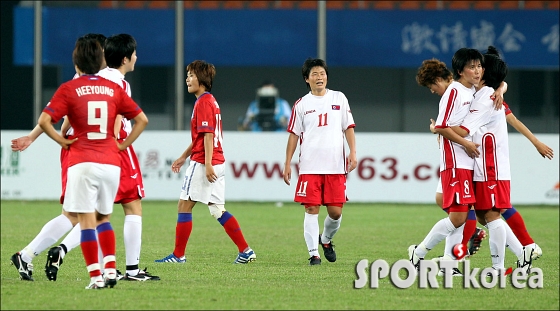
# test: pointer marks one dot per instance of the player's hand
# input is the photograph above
(544, 150)
(472, 149)
(210, 174)
(65, 143)
(433, 126)
(20, 144)
(287, 173)
(498, 98)
(351, 162)
(176, 166)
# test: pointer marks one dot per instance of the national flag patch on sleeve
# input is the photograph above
(204, 123)
(335, 107)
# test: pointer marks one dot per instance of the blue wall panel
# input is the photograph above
(370, 38)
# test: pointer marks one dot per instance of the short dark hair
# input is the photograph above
(495, 69)
(309, 64)
(117, 47)
(97, 36)
(88, 55)
(205, 73)
(430, 70)
(462, 57)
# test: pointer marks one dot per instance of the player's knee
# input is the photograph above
(216, 210)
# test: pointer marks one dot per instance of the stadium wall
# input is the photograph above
(393, 167)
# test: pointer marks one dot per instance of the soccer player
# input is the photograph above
(53, 230)
(433, 72)
(456, 162)
(320, 121)
(488, 128)
(92, 104)
(120, 56)
(204, 178)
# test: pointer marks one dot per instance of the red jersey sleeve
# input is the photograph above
(57, 108)
(206, 116)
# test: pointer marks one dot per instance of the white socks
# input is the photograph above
(497, 243)
(330, 228)
(132, 241)
(512, 242)
(311, 233)
(439, 231)
(51, 232)
(456, 237)
(72, 240)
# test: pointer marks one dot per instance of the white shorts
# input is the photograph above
(439, 188)
(196, 186)
(91, 187)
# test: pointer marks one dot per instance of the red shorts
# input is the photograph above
(131, 186)
(321, 189)
(457, 188)
(492, 194)
(63, 172)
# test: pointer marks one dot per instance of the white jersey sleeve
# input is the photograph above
(320, 122)
(488, 128)
(453, 107)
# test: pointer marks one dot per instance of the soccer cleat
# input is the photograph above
(526, 259)
(246, 257)
(120, 275)
(475, 241)
(455, 272)
(537, 252)
(314, 260)
(97, 284)
(413, 258)
(328, 250)
(54, 260)
(110, 278)
(25, 269)
(172, 258)
(142, 276)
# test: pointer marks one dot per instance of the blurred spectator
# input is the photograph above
(268, 112)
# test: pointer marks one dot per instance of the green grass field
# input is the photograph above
(281, 277)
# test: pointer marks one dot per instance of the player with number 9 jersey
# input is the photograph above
(95, 101)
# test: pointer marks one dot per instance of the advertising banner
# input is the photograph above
(392, 167)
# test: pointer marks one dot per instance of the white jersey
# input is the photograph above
(320, 123)
(116, 76)
(453, 107)
(488, 128)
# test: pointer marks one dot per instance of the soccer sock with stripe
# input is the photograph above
(51, 232)
(469, 229)
(330, 228)
(182, 233)
(231, 226)
(107, 242)
(132, 234)
(311, 233)
(517, 225)
(89, 249)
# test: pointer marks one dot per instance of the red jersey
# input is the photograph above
(92, 104)
(206, 118)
